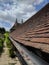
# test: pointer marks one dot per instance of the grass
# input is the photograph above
(10, 48)
(9, 45)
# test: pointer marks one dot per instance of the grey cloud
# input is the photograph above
(17, 9)
(7, 17)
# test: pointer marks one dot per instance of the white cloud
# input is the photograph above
(21, 9)
(15, 8)
(28, 15)
(6, 24)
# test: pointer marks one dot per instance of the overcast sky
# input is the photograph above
(20, 9)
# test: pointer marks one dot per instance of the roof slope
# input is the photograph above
(35, 31)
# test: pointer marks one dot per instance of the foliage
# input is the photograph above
(6, 35)
(2, 30)
(10, 48)
(8, 43)
(11, 53)
(1, 45)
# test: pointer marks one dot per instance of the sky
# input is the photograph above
(20, 9)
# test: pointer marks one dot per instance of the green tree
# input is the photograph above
(2, 30)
